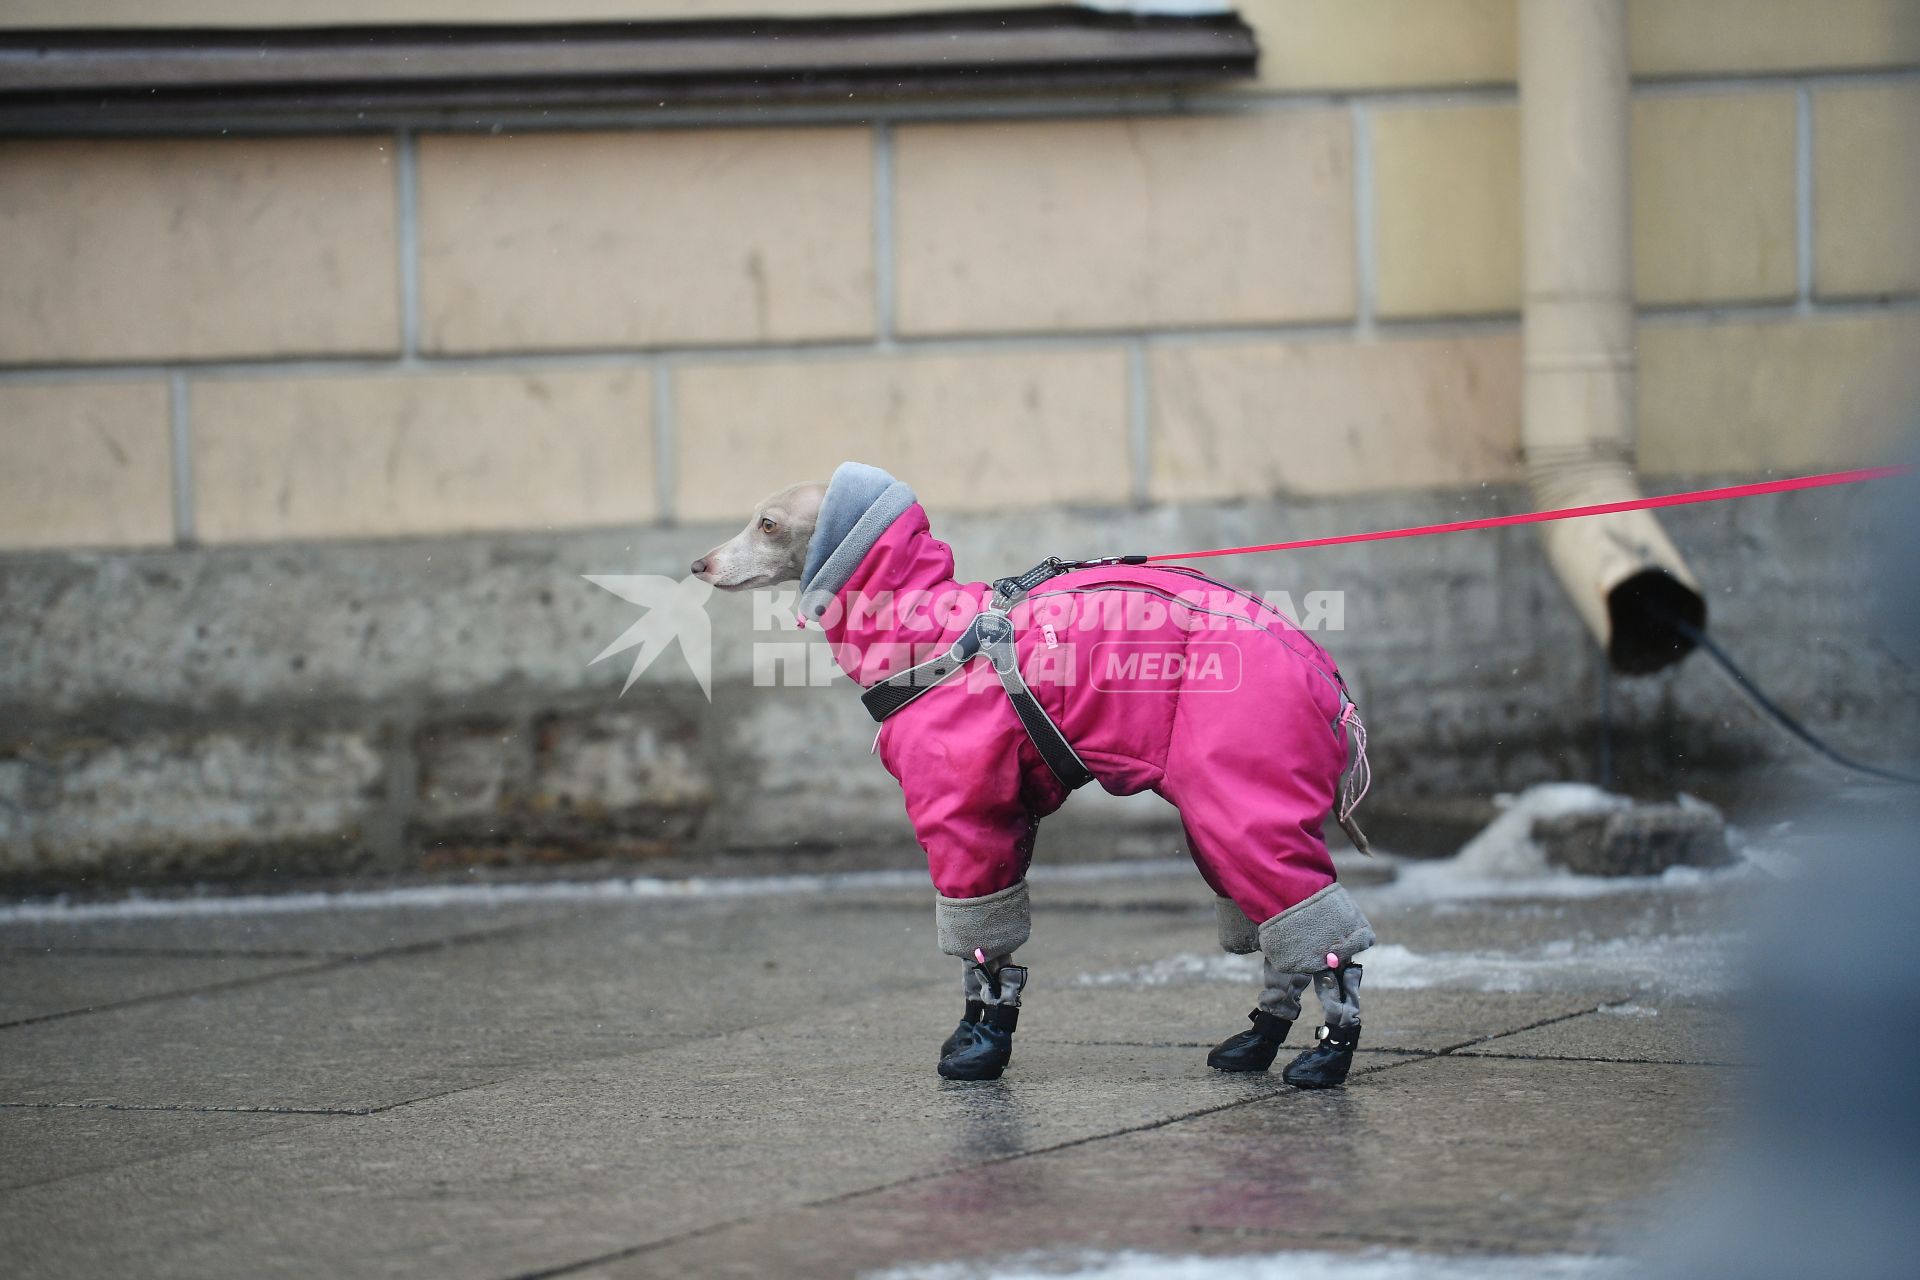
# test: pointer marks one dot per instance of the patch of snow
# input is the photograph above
(1423, 881)
(1504, 860)
(1506, 848)
(1179, 970)
(1684, 964)
(1630, 1010)
(1375, 1264)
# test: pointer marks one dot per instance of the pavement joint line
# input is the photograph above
(195, 1108)
(1297, 1238)
(1397, 1051)
(153, 1158)
(696, 1233)
(1621, 1062)
(651, 1246)
(170, 953)
(184, 993)
(191, 1108)
(258, 979)
(1531, 1026)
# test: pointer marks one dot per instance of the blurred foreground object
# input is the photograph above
(1824, 1172)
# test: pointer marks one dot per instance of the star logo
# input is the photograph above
(675, 611)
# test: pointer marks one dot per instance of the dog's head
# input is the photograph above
(773, 546)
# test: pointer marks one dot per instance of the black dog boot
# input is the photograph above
(975, 1008)
(974, 987)
(1254, 1048)
(1325, 1066)
(980, 1049)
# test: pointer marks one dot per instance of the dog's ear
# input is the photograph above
(804, 504)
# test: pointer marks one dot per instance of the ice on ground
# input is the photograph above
(1679, 964)
(1442, 880)
(1397, 1264)
(1179, 970)
(139, 907)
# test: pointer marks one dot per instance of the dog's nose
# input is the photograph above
(699, 567)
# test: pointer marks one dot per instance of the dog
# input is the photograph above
(1249, 738)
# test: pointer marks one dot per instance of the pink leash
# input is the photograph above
(1562, 513)
(1359, 774)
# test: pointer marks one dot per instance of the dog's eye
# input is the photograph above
(767, 526)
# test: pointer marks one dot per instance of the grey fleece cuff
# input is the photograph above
(996, 924)
(1299, 938)
(1238, 935)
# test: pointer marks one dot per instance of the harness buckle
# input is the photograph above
(1008, 592)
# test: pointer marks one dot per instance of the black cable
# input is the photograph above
(1773, 709)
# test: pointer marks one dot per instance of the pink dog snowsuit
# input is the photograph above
(1159, 678)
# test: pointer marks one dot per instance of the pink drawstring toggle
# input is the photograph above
(1333, 961)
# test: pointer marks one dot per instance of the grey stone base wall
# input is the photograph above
(404, 705)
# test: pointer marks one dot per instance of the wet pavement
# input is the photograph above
(742, 1083)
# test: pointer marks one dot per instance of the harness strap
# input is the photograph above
(997, 643)
(991, 633)
(896, 691)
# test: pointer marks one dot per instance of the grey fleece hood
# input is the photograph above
(861, 503)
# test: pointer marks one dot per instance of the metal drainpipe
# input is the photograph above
(1624, 576)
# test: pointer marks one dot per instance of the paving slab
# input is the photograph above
(1443, 1154)
(318, 931)
(609, 981)
(34, 986)
(1632, 1031)
(1409, 915)
(566, 1165)
(615, 1083)
(45, 1144)
(412, 1024)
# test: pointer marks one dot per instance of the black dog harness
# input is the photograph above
(991, 634)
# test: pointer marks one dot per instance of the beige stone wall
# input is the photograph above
(1305, 286)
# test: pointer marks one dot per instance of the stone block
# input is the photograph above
(1722, 37)
(359, 456)
(86, 465)
(626, 780)
(1123, 223)
(645, 238)
(968, 432)
(190, 804)
(1832, 391)
(1383, 44)
(1713, 197)
(1866, 190)
(1643, 840)
(1253, 419)
(203, 248)
(1446, 190)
